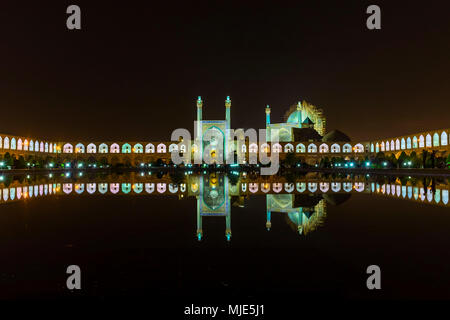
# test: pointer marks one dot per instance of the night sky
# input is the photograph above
(135, 69)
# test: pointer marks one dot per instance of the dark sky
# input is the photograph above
(135, 69)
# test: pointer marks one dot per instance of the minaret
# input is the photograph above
(267, 123)
(299, 114)
(198, 138)
(267, 115)
(227, 126)
(199, 221)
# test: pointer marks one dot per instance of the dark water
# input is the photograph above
(134, 243)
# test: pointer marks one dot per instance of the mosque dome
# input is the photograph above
(336, 136)
(294, 116)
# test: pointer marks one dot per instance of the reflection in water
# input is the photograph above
(303, 202)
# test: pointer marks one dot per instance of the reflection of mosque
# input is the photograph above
(304, 212)
(303, 203)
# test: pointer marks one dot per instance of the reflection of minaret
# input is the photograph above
(228, 227)
(268, 223)
(199, 224)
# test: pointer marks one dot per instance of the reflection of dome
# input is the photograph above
(336, 136)
(306, 134)
(336, 198)
(213, 194)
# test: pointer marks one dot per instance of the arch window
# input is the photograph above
(428, 140)
(19, 144)
(387, 146)
(312, 148)
(1, 143)
(359, 147)
(392, 145)
(253, 148)
(265, 148)
(36, 146)
(149, 148)
(403, 144)
(103, 148)
(161, 148)
(31, 148)
(276, 148)
(126, 148)
(335, 148)
(138, 148)
(173, 147)
(436, 140)
(408, 143)
(46, 147)
(421, 142)
(25, 145)
(382, 146)
(347, 148)
(79, 148)
(41, 147)
(289, 148)
(300, 148)
(68, 148)
(397, 144)
(13, 144)
(377, 147)
(414, 142)
(444, 138)
(91, 148)
(323, 148)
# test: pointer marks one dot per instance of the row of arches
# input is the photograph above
(310, 148)
(414, 142)
(410, 192)
(124, 148)
(25, 145)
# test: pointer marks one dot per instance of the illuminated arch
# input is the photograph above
(253, 148)
(126, 148)
(68, 148)
(91, 187)
(336, 186)
(243, 148)
(414, 142)
(1, 143)
(403, 144)
(138, 148)
(126, 187)
(289, 148)
(79, 148)
(149, 148)
(428, 140)
(392, 145)
(436, 140)
(103, 148)
(36, 146)
(114, 187)
(300, 148)
(41, 147)
(31, 148)
(13, 144)
(46, 147)
(421, 142)
(19, 144)
(335, 148)
(382, 146)
(173, 147)
(161, 148)
(387, 145)
(114, 148)
(372, 149)
(312, 148)
(25, 144)
(377, 147)
(397, 144)
(265, 148)
(359, 147)
(347, 148)
(276, 148)
(444, 138)
(91, 148)
(408, 143)
(323, 148)
(51, 147)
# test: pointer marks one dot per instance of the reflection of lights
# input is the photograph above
(1, 178)
(67, 174)
(50, 175)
